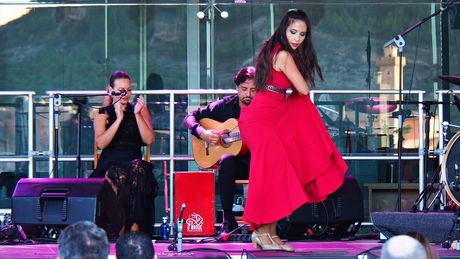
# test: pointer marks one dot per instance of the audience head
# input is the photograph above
(425, 242)
(403, 247)
(134, 245)
(85, 240)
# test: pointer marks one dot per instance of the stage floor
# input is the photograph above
(303, 249)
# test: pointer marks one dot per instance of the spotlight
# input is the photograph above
(224, 14)
(200, 15)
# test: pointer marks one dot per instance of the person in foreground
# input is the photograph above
(134, 245)
(83, 239)
(430, 252)
(403, 247)
(121, 129)
(293, 159)
(230, 167)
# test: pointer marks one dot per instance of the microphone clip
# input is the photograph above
(121, 93)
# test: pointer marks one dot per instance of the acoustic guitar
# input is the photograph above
(206, 156)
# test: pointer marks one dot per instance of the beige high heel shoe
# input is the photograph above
(283, 246)
(256, 242)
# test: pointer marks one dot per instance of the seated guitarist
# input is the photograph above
(230, 167)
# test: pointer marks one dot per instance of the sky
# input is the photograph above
(11, 10)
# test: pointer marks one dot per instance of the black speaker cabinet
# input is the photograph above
(339, 216)
(435, 226)
(61, 201)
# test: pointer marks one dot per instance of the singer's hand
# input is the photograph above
(140, 104)
(108, 99)
(119, 110)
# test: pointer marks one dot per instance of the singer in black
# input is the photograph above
(121, 129)
(230, 167)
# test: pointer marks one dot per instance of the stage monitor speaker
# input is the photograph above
(435, 226)
(56, 201)
(339, 216)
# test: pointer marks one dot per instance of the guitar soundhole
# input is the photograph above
(223, 141)
(225, 145)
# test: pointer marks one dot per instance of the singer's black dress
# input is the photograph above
(133, 178)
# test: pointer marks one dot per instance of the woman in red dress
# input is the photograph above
(293, 159)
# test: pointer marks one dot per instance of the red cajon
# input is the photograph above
(196, 190)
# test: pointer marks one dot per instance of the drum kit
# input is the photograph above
(365, 137)
(448, 171)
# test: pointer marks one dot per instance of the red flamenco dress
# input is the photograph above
(293, 159)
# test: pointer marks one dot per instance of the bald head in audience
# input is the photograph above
(403, 247)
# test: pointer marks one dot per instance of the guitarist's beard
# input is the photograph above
(246, 100)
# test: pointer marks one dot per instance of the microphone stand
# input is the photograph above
(178, 233)
(399, 41)
(57, 101)
(80, 100)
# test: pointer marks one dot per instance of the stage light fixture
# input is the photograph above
(224, 14)
(202, 14)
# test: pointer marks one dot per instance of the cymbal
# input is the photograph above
(451, 79)
(370, 105)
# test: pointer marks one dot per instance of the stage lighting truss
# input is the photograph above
(212, 4)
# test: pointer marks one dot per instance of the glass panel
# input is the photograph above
(14, 125)
(67, 48)
(10, 173)
(378, 182)
(368, 124)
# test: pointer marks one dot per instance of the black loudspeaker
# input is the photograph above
(339, 216)
(435, 226)
(56, 201)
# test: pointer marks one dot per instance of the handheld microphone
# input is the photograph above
(456, 99)
(121, 93)
(182, 208)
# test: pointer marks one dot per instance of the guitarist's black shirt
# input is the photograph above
(220, 110)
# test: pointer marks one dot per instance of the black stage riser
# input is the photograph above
(433, 225)
(341, 214)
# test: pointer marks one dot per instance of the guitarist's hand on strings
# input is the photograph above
(211, 136)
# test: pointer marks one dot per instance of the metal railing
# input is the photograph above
(30, 131)
(172, 157)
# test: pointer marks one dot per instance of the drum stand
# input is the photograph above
(436, 178)
(399, 42)
(430, 187)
